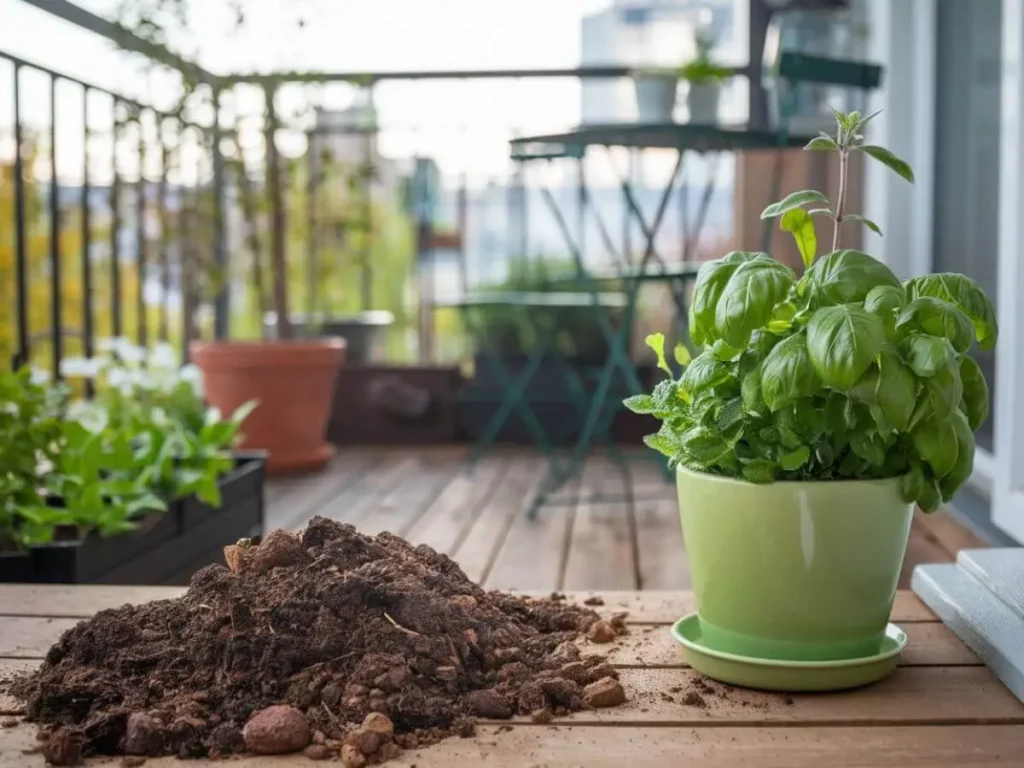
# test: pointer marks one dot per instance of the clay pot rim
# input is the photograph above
(258, 346)
(223, 355)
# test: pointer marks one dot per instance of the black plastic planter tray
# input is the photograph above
(168, 547)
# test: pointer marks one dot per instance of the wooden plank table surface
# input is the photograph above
(942, 707)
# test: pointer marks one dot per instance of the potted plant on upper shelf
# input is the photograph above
(704, 80)
(138, 485)
(293, 380)
(656, 89)
(821, 410)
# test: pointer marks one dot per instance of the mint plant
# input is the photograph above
(842, 373)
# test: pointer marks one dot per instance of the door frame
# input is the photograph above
(1008, 496)
(904, 36)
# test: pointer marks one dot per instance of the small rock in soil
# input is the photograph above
(389, 751)
(132, 761)
(64, 747)
(8, 724)
(601, 632)
(593, 601)
(277, 550)
(276, 730)
(144, 735)
(606, 692)
(352, 757)
(489, 703)
(316, 752)
(465, 727)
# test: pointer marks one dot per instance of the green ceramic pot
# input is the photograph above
(793, 571)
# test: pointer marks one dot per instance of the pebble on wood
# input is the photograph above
(276, 730)
(606, 692)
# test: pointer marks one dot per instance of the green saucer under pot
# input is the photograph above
(798, 571)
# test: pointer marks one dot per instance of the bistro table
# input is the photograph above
(942, 707)
(633, 273)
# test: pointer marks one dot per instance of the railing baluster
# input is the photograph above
(87, 329)
(140, 237)
(56, 331)
(115, 227)
(19, 226)
(222, 302)
(164, 256)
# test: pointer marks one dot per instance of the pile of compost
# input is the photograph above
(327, 641)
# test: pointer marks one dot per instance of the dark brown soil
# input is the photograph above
(330, 622)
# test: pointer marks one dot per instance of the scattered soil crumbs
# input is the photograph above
(327, 642)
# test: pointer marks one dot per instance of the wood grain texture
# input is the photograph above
(725, 747)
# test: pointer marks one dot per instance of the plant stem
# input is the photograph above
(844, 159)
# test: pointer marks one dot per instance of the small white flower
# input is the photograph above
(92, 416)
(39, 376)
(123, 349)
(163, 357)
(83, 367)
(191, 374)
(159, 416)
(213, 416)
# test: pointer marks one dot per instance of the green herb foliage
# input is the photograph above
(842, 373)
(143, 440)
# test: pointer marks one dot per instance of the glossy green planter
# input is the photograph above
(793, 571)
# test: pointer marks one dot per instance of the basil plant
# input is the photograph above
(844, 372)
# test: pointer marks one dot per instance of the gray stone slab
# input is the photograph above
(1001, 571)
(983, 622)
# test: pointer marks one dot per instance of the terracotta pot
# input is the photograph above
(293, 381)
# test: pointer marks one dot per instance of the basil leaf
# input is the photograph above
(936, 317)
(975, 399)
(747, 301)
(760, 470)
(656, 341)
(935, 440)
(792, 201)
(711, 281)
(664, 442)
(750, 391)
(888, 159)
(964, 466)
(787, 374)
(928, 501)
(798, 222)
(642, 404)
(896, 390)
(847, 276)
(945, 390)
(795, 459)
(926, 355)
(884, 299)
(868, 446)
(703, 373)
(913, 483)
(964, 293)
(842, 342)
(865, 221)
(703, 444)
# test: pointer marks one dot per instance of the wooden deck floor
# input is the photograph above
(478, 519)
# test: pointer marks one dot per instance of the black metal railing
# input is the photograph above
(216, 223)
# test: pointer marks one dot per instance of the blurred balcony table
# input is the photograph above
(633, 273)
(942, 706)
(529, 309)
